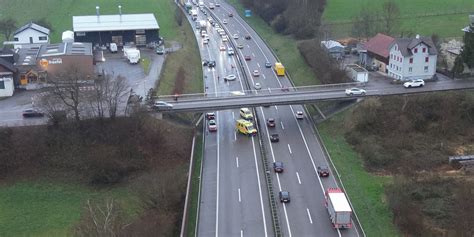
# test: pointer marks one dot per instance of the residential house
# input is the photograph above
(30, 33)
(7, 73)
(412, 58)
(470, 27)
(334, 48)
(375, 52)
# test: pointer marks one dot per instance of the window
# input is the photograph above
(2, 84)
(80, 33)
(424, 50)
(427, 59)
(416, 50)
(411, 60)
(140, 32)
(42, 38)
(15, 39)
(410, 69)
(426, 68)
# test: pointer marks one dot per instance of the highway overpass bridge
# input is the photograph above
(298, 95)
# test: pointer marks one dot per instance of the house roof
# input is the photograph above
(470, 27)
(331, 44)
(114, 22)
(405, 45)
(7, 65)
(33, 26)
(379, 45)
(29, 55)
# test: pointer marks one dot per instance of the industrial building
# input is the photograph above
(122, 29)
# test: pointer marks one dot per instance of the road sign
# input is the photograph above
(248, 13)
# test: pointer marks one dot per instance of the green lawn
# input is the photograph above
(366, 191)
(195, 183)
(445, 25)
(59, 12)
(284, 46)
(50, 209)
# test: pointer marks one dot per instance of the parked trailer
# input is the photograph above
(132, 54)
(338, 207)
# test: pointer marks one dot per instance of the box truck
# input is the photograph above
(132, 54)
(279, 69)
(338, 207)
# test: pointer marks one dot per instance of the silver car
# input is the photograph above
(355, 91)
(230, 77)
(161, 105)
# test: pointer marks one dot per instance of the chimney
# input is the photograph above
(120, 12)
(97, 13)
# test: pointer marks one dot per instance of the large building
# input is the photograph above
(122, 29)
(413, 58)
(38, 63)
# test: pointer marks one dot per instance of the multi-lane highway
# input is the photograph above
(234, 201)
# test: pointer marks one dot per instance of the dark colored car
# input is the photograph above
(231, 14)
(284, 196)
(211, 64)
(278, 167)
(31, 113)
(247, 57)
(274, 138)
(247, 37)
(210, 116)
(271, 122)
(285, 88)
(205, 62)
(323, 171)
(268, 65)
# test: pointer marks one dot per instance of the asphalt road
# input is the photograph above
(298, 148)
(233, 198)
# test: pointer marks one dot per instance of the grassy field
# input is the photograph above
(195, 182)
(365, 190)
(284, 46)
(446, 25)
(50, 209)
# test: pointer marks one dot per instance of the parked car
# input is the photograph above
(210, 115)
(211, 64)
(212, 125)
(256, 73)
(160, 50)
(31, 113)
(278, 166)
(161, 105)
(414, 83)
(284, 196)
(247, 57)
(274, 138)
(230, 77)
(355, 91)
(218, 4)
(271, 122)
(268, 65)
(257, 86)
(323, 171)
(247, 37)
(299, 115)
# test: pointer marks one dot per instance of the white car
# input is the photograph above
(414, 83)
(222, 48)
(256, 73)
(355, 91)
(205, 41)
(161, 105)
(230, 77)
(237, 93)
(224, 38)
(299, 115)
(236, 36)
(224, 21)
(257, 86)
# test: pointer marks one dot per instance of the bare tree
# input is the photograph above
(365, 24)
(115, 89)
(390, 16)
(101, 220)
(7, 27)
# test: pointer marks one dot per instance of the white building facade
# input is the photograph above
(412, 59)
(30, 33)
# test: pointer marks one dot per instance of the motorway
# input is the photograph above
(234, 201)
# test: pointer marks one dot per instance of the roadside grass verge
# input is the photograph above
(413, 13)
(366, 190)
(195, 186)
(51, 209)
(284, 46)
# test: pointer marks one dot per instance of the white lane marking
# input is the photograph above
(277, 175)
(240, 199)
(237, 161)
(258, 64)
(248, 46)
(282, 127)
(276, 107)
(241, 233)
(235, 136)
(264, 77)
(309, 216)
(217, 195)
(298, 176)
(289, 148)
(233, 115)
(259, 187)
(253, 55)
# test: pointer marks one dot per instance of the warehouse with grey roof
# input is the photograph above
(122, 29)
